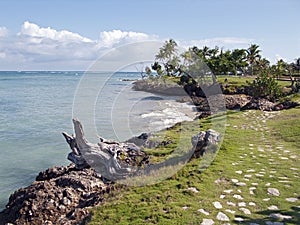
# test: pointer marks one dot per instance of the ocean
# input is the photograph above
(35, 107)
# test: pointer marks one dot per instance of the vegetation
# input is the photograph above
(199, 67)
(270, 150)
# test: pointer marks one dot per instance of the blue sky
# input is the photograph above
(70, 35)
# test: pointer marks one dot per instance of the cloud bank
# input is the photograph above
(40, 48)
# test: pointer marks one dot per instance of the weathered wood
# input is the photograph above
(104, 156)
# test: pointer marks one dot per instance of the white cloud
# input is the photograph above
(3, 31)
(110, 38)
(33, 30)
(36, 47)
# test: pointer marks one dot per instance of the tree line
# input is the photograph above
(219, 61)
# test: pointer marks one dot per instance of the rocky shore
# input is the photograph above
(64, 195)
(60, 195)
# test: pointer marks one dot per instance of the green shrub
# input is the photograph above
(265, 86)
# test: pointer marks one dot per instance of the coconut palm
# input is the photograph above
(253, 55)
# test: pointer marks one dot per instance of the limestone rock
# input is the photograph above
(205, 141)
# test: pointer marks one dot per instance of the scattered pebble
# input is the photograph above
(217, 205)
(252, 204)
(234, 180)
(231, 203)
(222, 196)
(222, 217)
(239, 172)
(292, 199)
(246, 211)
(203, 211)
(238, 197)
(273, 207)
(238, 219)
(280, 216)
(240, 184)
(241, 204)
(266, 199)
(193, 189)
(273, 191)
(228, 191)
(185, 207)
(207, 222)
(230, 211)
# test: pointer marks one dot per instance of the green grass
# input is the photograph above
(163, 202)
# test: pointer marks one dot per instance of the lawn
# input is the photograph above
(260, 151)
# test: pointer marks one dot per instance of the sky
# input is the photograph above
(73, 34)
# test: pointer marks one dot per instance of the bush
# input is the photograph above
(265, 86)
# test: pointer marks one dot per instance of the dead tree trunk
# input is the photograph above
(103, 156)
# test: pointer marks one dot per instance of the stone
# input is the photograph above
(235, 180)
(238, 197)
(222, 217)
(205, 141)
(280, 216)
(56, 192)
(239, 172)
(193, 189)
(238, 219)
(273, 207)
(241, 204)
(203, 211)
(273, 191)
(252, 204)
(230, 211)
(240, 184)
(185, 207)
(231, 203)
(292, 199)
(217, 205)
(228, 191)
(245, 211)
(207, 222)
(222, 196)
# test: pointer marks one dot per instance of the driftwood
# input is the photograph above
(111, 159)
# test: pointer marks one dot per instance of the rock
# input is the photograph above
(205, 141)
(203, 211)
(193, 189)
(222, 217)
(217, 205)
(273, 207)
(145, 140)
(60, 195)
(207, 222)
(245, 211)
(292, 199)
(259, 104)
(273, 191)
(280, 216)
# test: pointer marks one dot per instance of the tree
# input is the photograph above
(168, 56)
(253, 55)
(238, 57)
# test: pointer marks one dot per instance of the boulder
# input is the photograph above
(205, 141)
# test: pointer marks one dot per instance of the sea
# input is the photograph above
(37, 106)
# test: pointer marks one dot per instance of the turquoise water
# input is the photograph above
(35, 107)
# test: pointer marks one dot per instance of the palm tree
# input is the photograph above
(253, 55)
(238, 57)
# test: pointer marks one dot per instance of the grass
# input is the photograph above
(170, 201)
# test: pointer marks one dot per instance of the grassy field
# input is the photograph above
(260, 151)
